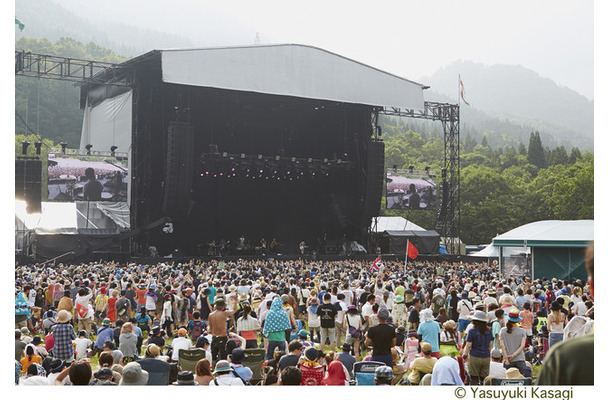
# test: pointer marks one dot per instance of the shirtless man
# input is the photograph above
(218, 327)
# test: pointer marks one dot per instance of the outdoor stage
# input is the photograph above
(261, 142)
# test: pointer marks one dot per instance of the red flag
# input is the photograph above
(411, 250)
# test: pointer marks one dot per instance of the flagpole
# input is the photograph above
(406, 255)
(459, 90)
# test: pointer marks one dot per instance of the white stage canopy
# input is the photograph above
(290, 70)
(394, 224)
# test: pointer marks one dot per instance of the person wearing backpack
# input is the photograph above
(123, 307)
(196, 326)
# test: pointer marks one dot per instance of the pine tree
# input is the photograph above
(535, 151)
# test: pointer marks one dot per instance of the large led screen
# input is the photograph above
(80, 177)
(410, 190)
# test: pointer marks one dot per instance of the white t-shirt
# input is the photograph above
(340, 314)
(180, 343)
(465, 308)
(82, 344)
(497, 369)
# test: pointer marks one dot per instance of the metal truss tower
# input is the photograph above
(448, 217)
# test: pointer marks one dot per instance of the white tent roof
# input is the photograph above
(394, 224)
(551, 233)
(290, 70)
(494, 251)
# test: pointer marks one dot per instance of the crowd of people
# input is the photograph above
(426, 323)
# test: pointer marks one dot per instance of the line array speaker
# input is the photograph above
(178, 171)
(375, 172)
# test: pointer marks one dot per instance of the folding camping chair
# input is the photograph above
(254, 362)
(364, 372)
(187, 359)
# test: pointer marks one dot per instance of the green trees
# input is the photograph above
(501, 188)
(48, 107)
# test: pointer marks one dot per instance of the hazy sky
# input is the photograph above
(408, 38)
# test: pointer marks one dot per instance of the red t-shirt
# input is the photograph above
(140, 293)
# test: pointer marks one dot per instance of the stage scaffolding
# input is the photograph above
(448, 217)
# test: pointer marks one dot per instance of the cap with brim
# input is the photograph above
(495, 353)
(514, 373)
(303, 333)
(185, 378)
(346, 347)
(106, 322)
(222, 366)
(56, 365)
(513, 315)
(383, 314)
(238, 356)
(311, 353)
(479, 316)
(63, 316)
(133, 374)
(426, 347)
(36, 340)
(399, 299)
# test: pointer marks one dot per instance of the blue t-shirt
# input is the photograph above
(430, 330)
(480, 343)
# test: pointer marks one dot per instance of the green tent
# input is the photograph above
(557, 247)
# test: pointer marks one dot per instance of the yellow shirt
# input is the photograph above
(421, 364)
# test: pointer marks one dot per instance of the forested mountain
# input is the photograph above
(510, 175)
(48, 19)
(511, 100)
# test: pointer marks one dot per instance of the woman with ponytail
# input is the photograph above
(512, 343)
(247, 326)
(30, 357)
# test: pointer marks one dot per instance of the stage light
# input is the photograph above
(38, 146)
(24, 147)
(88, 147)
(224, 154)
(260, 157)
(277, 158)
(113, 150)
(243, 156)
(309, 160)
(63, 147)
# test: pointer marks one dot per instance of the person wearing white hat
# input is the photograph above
(430, 331)
(478, 347)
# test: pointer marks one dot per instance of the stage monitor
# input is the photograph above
(73, 177)
(410, 190)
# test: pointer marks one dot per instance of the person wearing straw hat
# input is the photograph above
(63, 335)
(512, 342)
(478, 347)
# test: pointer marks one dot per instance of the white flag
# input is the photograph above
(462, 91)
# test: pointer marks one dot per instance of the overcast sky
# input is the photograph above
(408, 38)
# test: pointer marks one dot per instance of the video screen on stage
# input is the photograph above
(410, 190)
(80, 177)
